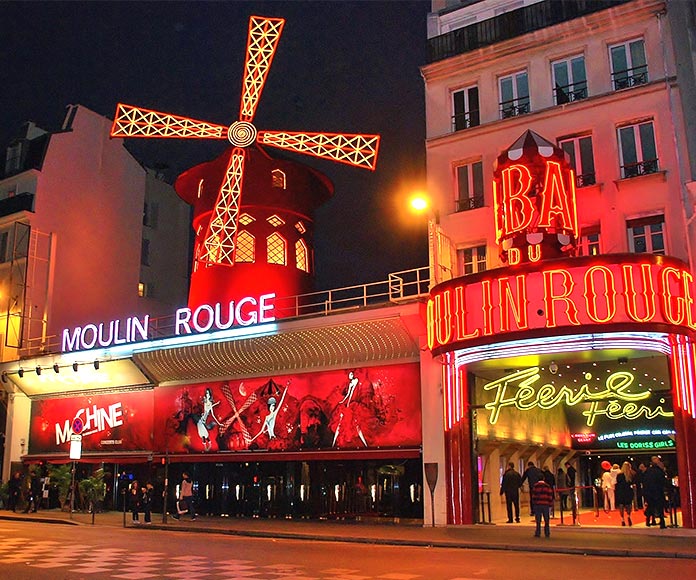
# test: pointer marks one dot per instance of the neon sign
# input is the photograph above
(245, 312)
(628, 290)
(95, 420)
(615, 401)
(535, 207)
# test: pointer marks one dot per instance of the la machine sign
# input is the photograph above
(245, 312)
(628, 291)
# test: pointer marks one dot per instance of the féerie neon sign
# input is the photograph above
(614, 401)
(628, 290)
(244, 312)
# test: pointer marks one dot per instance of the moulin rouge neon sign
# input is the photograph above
(614, 401)
(244, 312)
(627, 290)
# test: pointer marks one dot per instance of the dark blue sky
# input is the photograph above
(340, 67)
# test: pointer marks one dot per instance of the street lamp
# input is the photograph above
(440, 251)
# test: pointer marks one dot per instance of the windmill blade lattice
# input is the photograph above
(220, 238)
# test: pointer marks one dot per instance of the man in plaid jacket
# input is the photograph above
(542, 500)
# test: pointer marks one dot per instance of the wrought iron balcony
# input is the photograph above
(631, 77)
(585, 180)
(467, 203)
(512, 24)
(639, 168)
(465, 120)
(514, 108)
(570, 93)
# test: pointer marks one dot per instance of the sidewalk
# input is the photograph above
(637, 541)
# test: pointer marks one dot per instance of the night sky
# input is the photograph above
(347, 67)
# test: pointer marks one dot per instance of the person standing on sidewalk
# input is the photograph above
(654, 482)
(624, 492)
(135, 498)
(532, 474)
(542, 498)
(510, 486)
(14, 491)
(148, 491)
(186, 495)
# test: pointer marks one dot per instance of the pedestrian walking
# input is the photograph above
(542, 497)
(532, 474)
(510, 486)
(186, 496)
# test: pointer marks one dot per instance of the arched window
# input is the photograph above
(276, 250)
(301, 256)
(246, 247)
(278, 178)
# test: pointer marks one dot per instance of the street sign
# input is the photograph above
(75, 446)
(77, 425)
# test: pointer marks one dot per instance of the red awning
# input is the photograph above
(61, 458)
(260, 456)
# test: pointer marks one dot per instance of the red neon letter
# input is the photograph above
(555, 200)
(647, 293)
(509, 303)
(460, 321)
(549, 297)
(487, 307)
(670, 303)
(609, 293)
(519, 209)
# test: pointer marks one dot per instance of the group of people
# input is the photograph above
(140, 499)
(31, 490)
(623, 487)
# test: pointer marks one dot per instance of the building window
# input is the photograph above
(246, 247)
(569, 80)
(275, 221)
(469, 186)
(276, 252)
(465, 104)
(588, 244)
(4, 246)
(245, 219)
(628, 64)
(471, 260)
(278, 179)
(150, 214)
(646, 235)
(145, 290)
(638, 154)
(579, 149)
(514, 95)
(301, 256)
(300, 227)
(145, 253)
(13, 158)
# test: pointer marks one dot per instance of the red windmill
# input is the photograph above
(219, 242)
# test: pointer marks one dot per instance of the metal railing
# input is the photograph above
(510, 25)
(462, 121)
(570, 93)
(631, 77)
(403, 286)
(469, 203)
(514, 108)
(585, 179)
(639, 168)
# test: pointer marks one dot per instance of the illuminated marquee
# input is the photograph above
(615, 400)
(626, 290)
(245, 312)
(535, 207)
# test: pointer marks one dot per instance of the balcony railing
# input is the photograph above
(512, 24)
(631, 77)
(465, 120)
(570, 93)
(639, 168)
(467, 203)
(514, 108)
(404, 286)
(585, 180)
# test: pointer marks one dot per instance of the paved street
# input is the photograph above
(34, 550)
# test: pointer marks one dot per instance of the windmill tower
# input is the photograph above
(236, 255)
